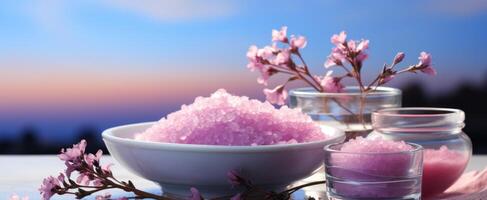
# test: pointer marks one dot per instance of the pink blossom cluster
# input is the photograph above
(90, 166)
(352, 50)
(76, 160)
(284, 57)
(225, 119)
(354, 53)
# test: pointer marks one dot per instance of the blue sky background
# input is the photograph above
(65, 64)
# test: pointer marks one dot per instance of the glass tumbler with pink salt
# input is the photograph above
(373, 169)
(447, 149)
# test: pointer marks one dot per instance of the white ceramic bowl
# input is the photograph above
(177, 167)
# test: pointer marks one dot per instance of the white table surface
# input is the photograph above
(23, 175)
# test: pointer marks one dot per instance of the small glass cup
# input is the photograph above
(389, 175)
(447, 149)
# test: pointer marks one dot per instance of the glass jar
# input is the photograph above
(373, 175)
(349, 110)
(439, 130)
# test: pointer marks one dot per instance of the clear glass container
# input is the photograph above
(349, 110)
(362, 175)
(439, 130)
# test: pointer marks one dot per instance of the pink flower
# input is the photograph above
(254, 62)
(73, 157)
(298, 42)
(362, 56)
(279, 36)
(253, 66)
(429, 70)
(266, 52)
(70, 168)
(83, 179)
(233, 178)
(330, 83)
(335, 58)
(90, 158)
(61, 178)
(398, 58)
(17, 197)
(48, 187)
(265, 73)
(195, 194)
(424, 59)
(363, 45)
(386, 79)
(339, 39)
(277, 95)
(106, 168)
(252, 52)
(98, 182)
(352, 45)
(353, 50)
(282, 57)
(425, 64)
(74, 153)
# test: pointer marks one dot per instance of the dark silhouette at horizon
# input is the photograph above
(467, 97)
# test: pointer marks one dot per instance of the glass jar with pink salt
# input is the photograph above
(373, 169)
(447, 149)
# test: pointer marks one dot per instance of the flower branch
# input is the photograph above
(93, 178)
(347, 54)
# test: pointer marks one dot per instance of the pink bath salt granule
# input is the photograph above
(376, 145)
(225, 119)
(365, 155)
(375, 168)
(441, 168)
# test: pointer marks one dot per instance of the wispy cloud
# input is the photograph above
(457, 7)
(176, 10)
(49, 14)
(56, 15)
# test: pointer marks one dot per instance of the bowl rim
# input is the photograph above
(416, 148)
(311, 92)
(109, 135)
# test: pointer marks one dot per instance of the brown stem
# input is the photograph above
(407, 69)
(282, 71)
(306, 71)
(316, 87)
(373, 82)
(302, 61)
(291, 190)
(346, 69)
(117, 184)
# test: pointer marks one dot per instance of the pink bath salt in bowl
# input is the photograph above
(441, 168)
(374, 168)
(228, 120)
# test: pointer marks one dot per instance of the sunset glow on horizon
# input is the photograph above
(109, 62)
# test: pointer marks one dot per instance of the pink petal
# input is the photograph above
(339, 39)
(429, 70)
(279, 36)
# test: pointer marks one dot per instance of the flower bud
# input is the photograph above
(399, 57)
